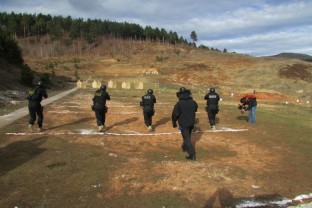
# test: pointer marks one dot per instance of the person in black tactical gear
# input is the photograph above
(183, 90)
(99, 106)
(34, 105)
(184, 112)
(147, 103)
(212, 107)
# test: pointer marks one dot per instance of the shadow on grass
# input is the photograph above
(225, 198)
(162, 122)
(217, 120)
(17, 153)
(196, 136)
(127, 121)
(73, 123)
(242, 118)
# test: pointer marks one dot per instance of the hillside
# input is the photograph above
(303, 57)
(198, 69)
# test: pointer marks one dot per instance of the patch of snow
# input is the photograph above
(86, 131)
(281, 203)
(255, 186)
(112, 155)
(302, 197)
(62, 112)
(93, 132)
(124, 113)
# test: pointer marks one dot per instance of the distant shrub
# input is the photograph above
(203, 47)
(161, 58)
(76, 60)
(76, 75)
(9, 50)
(66, 68)
(51, 65)
(26, 76)
(177, 52)
(76, 66)
(45, 78)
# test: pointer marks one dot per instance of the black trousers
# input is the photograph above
(35, 109)
(212, 112)
(100, 117)
(187, 142)
(148, 118)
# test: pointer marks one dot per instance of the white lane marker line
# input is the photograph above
(93, 132)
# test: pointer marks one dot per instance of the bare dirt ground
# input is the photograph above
(70, 164)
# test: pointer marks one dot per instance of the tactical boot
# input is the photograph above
(101, 128)
(30, 128)
(213, 127)
(40, 129)
(149, 128)
(191, 157)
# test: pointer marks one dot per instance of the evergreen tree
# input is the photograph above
(194, 36)
(9, 50)
(26, 76)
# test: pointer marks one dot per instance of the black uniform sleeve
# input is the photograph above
(44, 93)
(141, 102)
(175, 114)
(107, 96)
(196, 106)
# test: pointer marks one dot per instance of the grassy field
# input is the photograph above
(70, 164)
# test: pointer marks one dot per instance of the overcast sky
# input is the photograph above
(254, 27)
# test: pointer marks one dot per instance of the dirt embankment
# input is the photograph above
(297, 71)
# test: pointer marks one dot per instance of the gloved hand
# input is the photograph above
(174, 125)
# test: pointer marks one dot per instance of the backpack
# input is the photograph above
(98, 100)
(34, 95)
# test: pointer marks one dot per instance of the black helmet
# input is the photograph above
(103, 87)
(150, 91)
(182, 89)
(212, 89)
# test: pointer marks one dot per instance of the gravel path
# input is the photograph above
(17, 114)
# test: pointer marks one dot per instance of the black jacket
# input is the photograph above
(37, 94)
(184, 111)
(99, 99)
(251, 102)
(148, 100)
(212, 98)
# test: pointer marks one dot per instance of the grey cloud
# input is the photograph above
(223, 24)
(267, 44)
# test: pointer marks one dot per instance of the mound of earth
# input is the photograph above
(296, 71)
